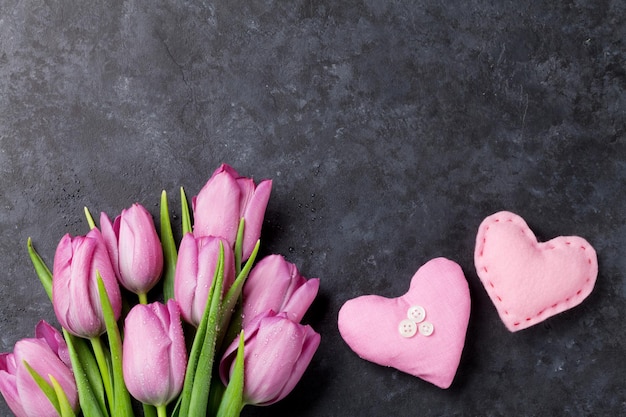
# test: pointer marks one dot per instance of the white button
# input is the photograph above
(417, 314)
(407, 328)
(426, 328)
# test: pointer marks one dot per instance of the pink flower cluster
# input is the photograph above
(128, 252)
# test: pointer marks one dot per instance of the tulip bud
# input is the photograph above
(225, 199)
(277, 351)
(47, 354)
(195, 269)
(154, 357)
(134, 248)
(75, 294)
(275, 284)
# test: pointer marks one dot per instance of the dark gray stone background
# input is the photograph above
(390, 129)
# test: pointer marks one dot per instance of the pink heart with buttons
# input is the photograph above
(421, 332)
(529, 281)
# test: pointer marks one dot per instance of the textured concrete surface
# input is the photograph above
(390, 128)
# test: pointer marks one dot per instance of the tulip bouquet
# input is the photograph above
(155, 328)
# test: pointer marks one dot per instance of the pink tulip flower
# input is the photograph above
(75, 294)
(277, 351)
(47, 354)
(195, 269)
(154, 357)
(224, 200)
(134, 248)
(275, 284)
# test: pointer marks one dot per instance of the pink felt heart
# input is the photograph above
(422, 332)
(530, 281)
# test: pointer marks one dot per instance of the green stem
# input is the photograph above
(162, 411)
(143, 298)
(98, 350)
(149, 410)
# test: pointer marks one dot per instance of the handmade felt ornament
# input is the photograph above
(421, 332)
(529, 281)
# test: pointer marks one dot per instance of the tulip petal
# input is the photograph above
(178, 350)
(7, 363)
(271, 358)
(300, 301)
(140, 251)
(254, 212)
(228, 169)
(44, 386)
(8, 384)
(42, 359)
(216, 208)
(110, 232)
(54, 339)
(309, 347)
(74, 289)
(250, 332)
(70, 286)
(195, 269)
(146, 356)
(208, 254)
(129, 245)
(61, 279)
(154, 355)
(185, 275)
(276, 284)
(266, 287)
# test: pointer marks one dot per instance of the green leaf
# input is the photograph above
(43, 272)
(230, 325)
(186, 216)
(103, 362)
(232, 296)
(87, 377)
(44, 386)
(122, 406)
(239, 246)
(202, 383)
(169, 250)
(232, 401)
(197, 385)
(64, 404)
(92, 224)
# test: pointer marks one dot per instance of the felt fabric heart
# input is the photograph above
(529, 281)
(422, 332)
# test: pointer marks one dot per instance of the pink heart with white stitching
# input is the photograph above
(529, 281)
(422, 332)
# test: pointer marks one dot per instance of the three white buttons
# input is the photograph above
(415, 322)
